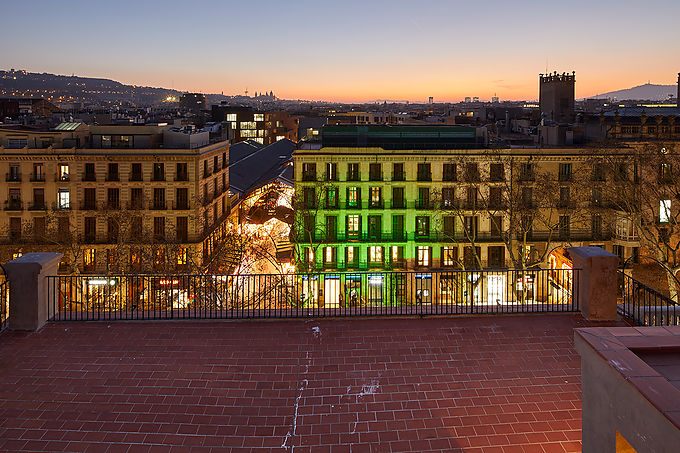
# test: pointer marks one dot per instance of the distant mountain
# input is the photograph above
(63, 88)
(646, 92)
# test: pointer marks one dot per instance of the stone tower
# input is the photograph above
(556, 97)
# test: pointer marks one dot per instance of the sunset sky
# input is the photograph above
(349, 50)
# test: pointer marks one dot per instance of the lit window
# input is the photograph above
(17, 255)
(231, 117)
(449, 256)
(64, 199)
(182, 256)
(351, 254)
(258, 117)
(63, 172)
(423, 255)
(280, 137)
(248, 125)
(664, 211)
(375, 254)
(353, 196)
(352, 224)
(89, 257)
(248, 133)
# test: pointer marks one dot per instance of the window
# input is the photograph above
(449, 226)
(206, 173)
(565, 172)
(398, 255)
(398, 227)
(182, 229)
(471, 256)
(90, 198)
(495, 198)
(351, 256)
(527, 172)
(449, 256)
(353, 226)
(329, 255)
(375, 197)
(248, 125)
(423, 198)
(422, 256)
(63, 227)
(112, 230)
(216, 163)
(63, 172)
(332, 197)
(496, 172)
(113, 198)
(422, 226)
(90, 229)
(424, 172)
(472, 172)
(496, 226)
(159, 228)
(15, 228)
(598, 171)
(564, 227)
(258, 117)
(496, 255)
(448, 197)
(375, 172)
(182, 198)
(181, 173)
(158, 171)
(90, 259)
(38, 199)
(565, 197)
(353, 197)
(664, 211)
(159, 198)
(89, 172)
(449, 172)
(527, 197)
(331, 227)
(64, 199)
(374, 226)
(596, 196)
(665, 173)
(471, 198)
(225, 162)
(309, 197)
(398, 172)
(353, 172)
(398, 198)
(136, 172)
(596, 226)
(136, 226)
(112, 173)
(331, 171)
(375, 254)
(136, 198)
(231, 117)
(38, 173)
(309, 172)
(471, 226)
(39, 228)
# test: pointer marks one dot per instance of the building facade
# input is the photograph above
(376, 208)
(262, 127)
(119, 201)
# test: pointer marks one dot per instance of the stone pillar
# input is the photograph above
(596, 285)
(28, 289)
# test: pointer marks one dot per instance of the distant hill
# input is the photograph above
(82, 89)
(646, 92)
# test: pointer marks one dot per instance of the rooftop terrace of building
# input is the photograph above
(494, 383)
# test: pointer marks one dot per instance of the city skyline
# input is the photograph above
(367, 52)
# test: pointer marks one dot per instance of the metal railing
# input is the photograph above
(645, 306)
(329, 294)
(4, 302)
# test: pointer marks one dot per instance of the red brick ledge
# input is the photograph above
(618, 347)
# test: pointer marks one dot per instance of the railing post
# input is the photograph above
(28, 301)
(596, 286)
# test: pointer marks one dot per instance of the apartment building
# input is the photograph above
(262, 127)
(384, 205)
(114, 198)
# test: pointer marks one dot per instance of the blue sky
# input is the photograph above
(349, 50)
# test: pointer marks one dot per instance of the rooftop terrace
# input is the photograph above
(488, 383)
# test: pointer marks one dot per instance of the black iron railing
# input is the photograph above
(4, 302)
(330, 294)
(645, 306)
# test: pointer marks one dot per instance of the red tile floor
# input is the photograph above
(496, 383)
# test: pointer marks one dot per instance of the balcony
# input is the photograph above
(158, 205)
(136, 177)
(88, 206)
(181, 177)
(13, 177)
(89, 177)
(14, 205)
(112, 205)
(158, 178)
(37, 206)
(308, 177)
(37, 177)
(181, 205)
(135, 205)
(424, 204)
(61, 207)
(62, 178)
(112, 178)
